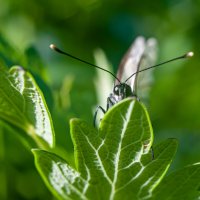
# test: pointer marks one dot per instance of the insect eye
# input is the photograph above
(116, 90)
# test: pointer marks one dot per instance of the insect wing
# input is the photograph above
(130, 62)
(144, 80)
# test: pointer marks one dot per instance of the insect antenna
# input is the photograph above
(187, 55)
(52, 46)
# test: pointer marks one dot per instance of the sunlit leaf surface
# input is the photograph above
(23, 105)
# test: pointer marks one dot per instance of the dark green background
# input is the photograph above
(80, 27)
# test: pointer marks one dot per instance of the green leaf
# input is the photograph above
(61, 179)
(114, 162)
(23, 105)
(181, 184)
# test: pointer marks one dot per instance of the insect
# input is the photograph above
(141, 53)
(128, 79)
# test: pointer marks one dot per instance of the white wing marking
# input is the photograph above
(140, 55)
(131, 60)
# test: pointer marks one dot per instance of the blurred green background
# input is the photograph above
(80, 27)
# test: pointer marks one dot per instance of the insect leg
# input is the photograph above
(96, 112)
(152, 153)
(110, 102)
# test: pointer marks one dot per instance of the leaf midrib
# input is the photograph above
(118, 153)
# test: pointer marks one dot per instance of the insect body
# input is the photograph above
(120, 92)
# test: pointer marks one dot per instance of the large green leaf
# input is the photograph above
(182, 184)
(22, 104)
(114, 162)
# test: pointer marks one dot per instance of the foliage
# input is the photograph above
(26, 30)
(114, 162)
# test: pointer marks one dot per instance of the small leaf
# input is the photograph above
(23, 105)
(61, 179)
(114, 162)
(181, 184)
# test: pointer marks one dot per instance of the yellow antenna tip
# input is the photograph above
(189, 54)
